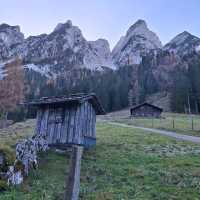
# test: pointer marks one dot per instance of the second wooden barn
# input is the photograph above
(68, 120)
(146, 110)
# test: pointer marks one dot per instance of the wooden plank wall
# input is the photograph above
(65, 127)
(93, 123)
(38, 121)
(51, 126)
(44, 124)
(72, 116)
(59, 122)
(67, 124)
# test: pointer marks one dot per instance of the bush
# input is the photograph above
(3, 185)
(9, 156)
(19, 166)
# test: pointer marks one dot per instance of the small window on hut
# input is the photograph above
(59, 115)
(51, 116)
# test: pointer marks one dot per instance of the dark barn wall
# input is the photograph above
(65, 123)
(146, 111)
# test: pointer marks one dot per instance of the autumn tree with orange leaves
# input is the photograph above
(11, 86)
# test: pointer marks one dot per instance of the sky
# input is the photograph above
(107, 19)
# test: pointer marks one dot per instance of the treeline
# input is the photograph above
(11, 89)
(110, 86)
(183, 83)
(129, 85)
(186, 89)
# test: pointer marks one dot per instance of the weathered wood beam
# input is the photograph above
(73, 181)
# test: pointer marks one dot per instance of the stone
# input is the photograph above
(14, 178)
(26, 156)
(26, 151)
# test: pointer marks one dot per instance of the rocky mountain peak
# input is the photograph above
(184, 43)
(59, 26)
(182, 37)
(64, 49)
(101, 43)
(10, 35)
(101, 54)
(185, 33)
(137, 41)
(140, 22)
(139, 27)
(4, 27)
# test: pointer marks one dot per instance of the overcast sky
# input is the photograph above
(108, 19)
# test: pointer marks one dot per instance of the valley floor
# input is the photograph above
(180, 123)
(126, 164)
(178, 136)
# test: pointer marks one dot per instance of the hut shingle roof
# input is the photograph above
(148, 104)
(71, 99)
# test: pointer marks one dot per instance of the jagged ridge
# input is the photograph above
(63, 49)
(137, 41)
(183, 44)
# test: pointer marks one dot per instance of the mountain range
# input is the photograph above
(65, 47)
(65, 52)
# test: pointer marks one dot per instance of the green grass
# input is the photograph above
(170, 121)
(9, 136)
(126, 164)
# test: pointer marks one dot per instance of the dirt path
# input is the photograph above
(162, 132)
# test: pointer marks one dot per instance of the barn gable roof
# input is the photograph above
(148, 104)
(71, 99)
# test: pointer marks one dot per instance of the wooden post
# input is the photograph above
(173, 123)
(73, 182)
(192, 123)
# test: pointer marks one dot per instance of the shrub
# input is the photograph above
(3, 185)
(9, 156)
(19, 166)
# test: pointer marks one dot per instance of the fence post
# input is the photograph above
(73, 182)
(173, 123)
(192, 123)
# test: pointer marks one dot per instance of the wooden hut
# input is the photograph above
(68, 120)
(146, 110)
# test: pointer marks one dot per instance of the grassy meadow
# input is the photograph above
(126, 164)
(10, 135)
(181, 123)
